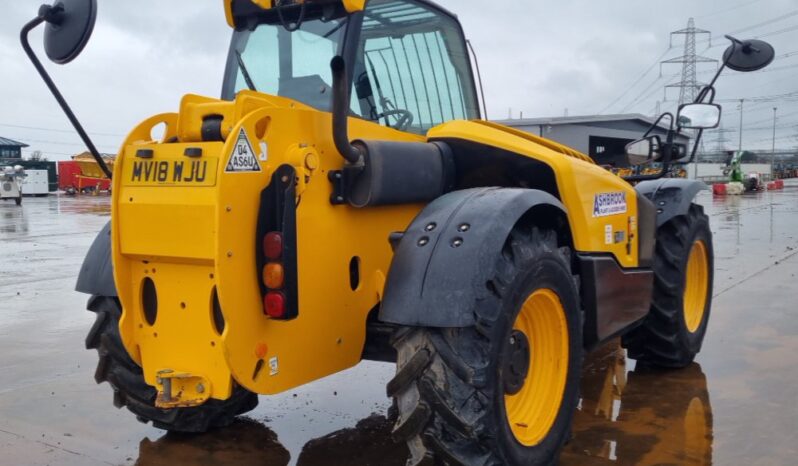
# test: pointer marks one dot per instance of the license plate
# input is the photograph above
(170, 172)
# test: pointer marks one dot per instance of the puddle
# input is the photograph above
(735, 405)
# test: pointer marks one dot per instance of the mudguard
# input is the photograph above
(671, 196)
(449, 252)
(97, 272)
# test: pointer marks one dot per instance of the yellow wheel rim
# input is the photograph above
(532, 411)
(696, 286)
(696, 433)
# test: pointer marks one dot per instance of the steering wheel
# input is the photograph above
(404, 118)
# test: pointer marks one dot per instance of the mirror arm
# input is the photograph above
(656, 123)
(667, 156)
(708, 89)
(695, 148)
(46, 14)
(711, 85)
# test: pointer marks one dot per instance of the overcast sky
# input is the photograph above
(537, 57)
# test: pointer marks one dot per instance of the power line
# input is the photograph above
(54, 130)
(769, 127)
(773, 33)
(47, 152)
(763, 98)
(770, 21)
(636, 81)
(732, 8)
(58, 143)
(640, 97)
(763, 120)
(766, 70)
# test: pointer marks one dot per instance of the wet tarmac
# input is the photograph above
(737, 405)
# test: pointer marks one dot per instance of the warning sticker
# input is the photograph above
(242, 158)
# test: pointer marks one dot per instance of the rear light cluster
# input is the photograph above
(275, 246)
(274, 302)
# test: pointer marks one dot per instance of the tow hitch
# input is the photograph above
(180, 389)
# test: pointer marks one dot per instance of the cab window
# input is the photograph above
(413, 71)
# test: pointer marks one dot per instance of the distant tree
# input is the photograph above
(37, 156)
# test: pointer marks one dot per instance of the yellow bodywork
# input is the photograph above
(350, 5)
(194, 231)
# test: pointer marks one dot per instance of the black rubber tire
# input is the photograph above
(448, 385)
(18, 200)
(130, 390)
(663, 338)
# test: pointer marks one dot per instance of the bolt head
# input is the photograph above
(431, 226)
(423, 241)
(200, 388)
(457, 242)
(464, 228)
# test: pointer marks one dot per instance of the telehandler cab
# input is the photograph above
(344, 200)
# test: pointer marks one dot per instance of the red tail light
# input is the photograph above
(274, 304)
(273, 245)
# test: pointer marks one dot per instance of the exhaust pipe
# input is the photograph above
(340, 113)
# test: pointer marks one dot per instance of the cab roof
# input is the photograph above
(350, 5)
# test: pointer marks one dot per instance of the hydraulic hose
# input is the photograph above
(340, 112)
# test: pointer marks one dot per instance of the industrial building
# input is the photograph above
(11, 154)
(602, 137)
(11, 149)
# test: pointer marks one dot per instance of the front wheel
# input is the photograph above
(673, 332)
(504, 391)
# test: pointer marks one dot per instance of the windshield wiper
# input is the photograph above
(335, 29)
(245, 72)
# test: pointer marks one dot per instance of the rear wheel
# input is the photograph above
(504, 391)
(18, 200)
(674, 330)
(131, 391)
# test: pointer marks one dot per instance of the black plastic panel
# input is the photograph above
(97, 272)
(449, 252)
(671, 196)
(614, 299)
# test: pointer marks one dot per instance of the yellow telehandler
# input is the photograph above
(345, 200)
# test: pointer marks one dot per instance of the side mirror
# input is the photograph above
(748, 55)
(643, 150)
(69, 26)
(698, 116)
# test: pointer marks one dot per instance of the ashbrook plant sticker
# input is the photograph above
(606, 204)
